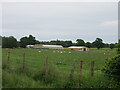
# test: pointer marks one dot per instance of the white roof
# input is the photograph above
(77, 47)
(30, 45)
(52, 45)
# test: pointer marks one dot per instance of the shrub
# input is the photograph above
(118, 50)
(70, 84)
(5, 65)
(50, 78)
(13, 80)
(28, 71)
(112, 67)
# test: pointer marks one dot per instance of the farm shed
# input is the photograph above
(37, 46)
(48, 46)
(79, 48)
(29, 46)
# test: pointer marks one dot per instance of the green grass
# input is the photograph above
(60, 65)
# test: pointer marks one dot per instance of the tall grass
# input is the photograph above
(58, 71)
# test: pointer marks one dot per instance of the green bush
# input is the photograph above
(5, 65)
(51, 77)
(69, 84)
(118, 50)
(13, 80)
(112, 67)
(27, 70)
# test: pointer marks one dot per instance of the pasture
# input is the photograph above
(60, 64)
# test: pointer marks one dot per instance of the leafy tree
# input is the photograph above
(74, 44)
(80, 42)
(31, 40)
(0, 40)
(27, 41)
(23, 42)
(88, 44)
(106, 45)
(37, 42)
(118, 45)
(112, 46)
(63, 43)
(9, 42)
(112, 67)
(67, 43)
(98, 43)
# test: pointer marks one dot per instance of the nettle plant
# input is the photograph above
(112, 67)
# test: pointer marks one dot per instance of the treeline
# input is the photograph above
(11, 42)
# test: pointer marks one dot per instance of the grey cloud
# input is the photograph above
(60, 20)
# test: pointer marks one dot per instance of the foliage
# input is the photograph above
(80, 42)
(49, 78)
(112, 67)
(14, 80)
(69, 84)
(27, 41)
(88, 44)
(63, 43)
(5, 65)
(98, 43)
(118, 46)
(9, 42)
(58, 77)
(0, 40)
(112, 46)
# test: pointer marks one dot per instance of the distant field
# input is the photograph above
(60, 60)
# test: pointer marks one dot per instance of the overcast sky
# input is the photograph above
(63, 21)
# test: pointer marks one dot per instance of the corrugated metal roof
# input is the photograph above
(30, 45)
(77, 47)
(52, 45)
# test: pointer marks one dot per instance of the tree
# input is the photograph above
(24, 42)
(112, 67)
(88, 44)
(112, 46)
(27, 41)
(31, 40)
(9, 42)
(106, 45)
(118, 45)
(37, 42)
(98, 43)
(80, 42)
(66, 43)
(0, 41)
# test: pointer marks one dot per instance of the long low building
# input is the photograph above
(38, 46)
(29, 46)
(79, 48)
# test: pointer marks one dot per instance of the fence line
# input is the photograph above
(8, 58)
(80, 74)
(92, 68)
(72, 70)
(23, 60)
(46, 66)
(71, 77)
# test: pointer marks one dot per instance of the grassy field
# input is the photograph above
(59, 68)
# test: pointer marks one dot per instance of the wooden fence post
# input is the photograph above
(23, 60)
(72, 70)
(8, 58)
(92, 68)
(46, 66)
(80, 74)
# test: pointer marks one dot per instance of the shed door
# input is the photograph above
(84, 49)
